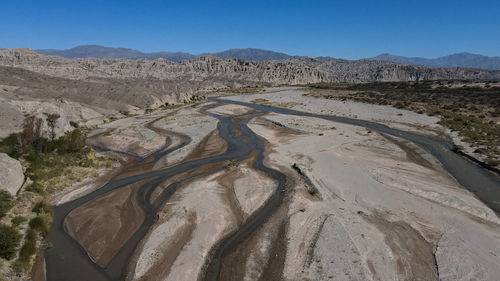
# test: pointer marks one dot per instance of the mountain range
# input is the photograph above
(96, 51)
(455, 60)
(30, 81)
(291, 71)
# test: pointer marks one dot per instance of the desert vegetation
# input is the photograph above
(38, 228)
(9, 241)
(51, 163)
(470, 108)
(266, 102)
(240, 90)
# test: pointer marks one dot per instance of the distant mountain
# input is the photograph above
(250, 54)
(100, 52)
(222, 71)
(95, 51)
(455, 60)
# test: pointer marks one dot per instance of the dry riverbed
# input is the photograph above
(377, 214)
(357, 205)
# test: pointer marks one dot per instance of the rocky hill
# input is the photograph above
(96, 51)
(91, 90)
(455, 60)
(290, 71)
(249, 54)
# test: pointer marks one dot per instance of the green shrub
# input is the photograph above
(36, 187)
(46, 158)
(71, 141)
(21, 266)
(9, 241)
(6, 202)
(41, 223)
(27, 250)
(37, 224)
(23, 262)
(74, 141)
(8, 146)
(73, 124)
(43, 167)
(18, 220)
(43, 208)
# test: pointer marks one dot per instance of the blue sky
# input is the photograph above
(348, 29)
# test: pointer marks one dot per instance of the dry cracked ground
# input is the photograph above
(225, 191)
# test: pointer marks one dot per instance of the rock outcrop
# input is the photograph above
(97, 88)
(11, 174)
(291, 71)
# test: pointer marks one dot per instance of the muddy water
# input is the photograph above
(67, 260)
(231, 242)
(483, 183)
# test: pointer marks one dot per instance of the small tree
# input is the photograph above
(73, 141)
(51, 122)
(38, 143)
(30, 137)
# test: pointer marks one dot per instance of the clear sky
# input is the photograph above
(348, 29)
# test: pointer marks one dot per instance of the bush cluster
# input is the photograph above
(9, 241)
(467, 109)
(6, 202)
(39, 226)
(46, 158)
(29, 248)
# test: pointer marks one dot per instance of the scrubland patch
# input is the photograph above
(50, 166)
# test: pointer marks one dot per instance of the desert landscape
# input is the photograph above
(254, 183)
(246, 165)
(249, 140)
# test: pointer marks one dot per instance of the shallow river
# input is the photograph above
(67, 260)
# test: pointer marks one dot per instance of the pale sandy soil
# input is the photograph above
(397, 118)
(252, 189)
(378, 208)
(379, 214)
(129, 135)
(82, 188)
(230, 109)
(195, 218)
(190, 122)
(261, 254)
(199, 210)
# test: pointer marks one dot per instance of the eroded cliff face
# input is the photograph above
(107, 87)
(292, 71)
